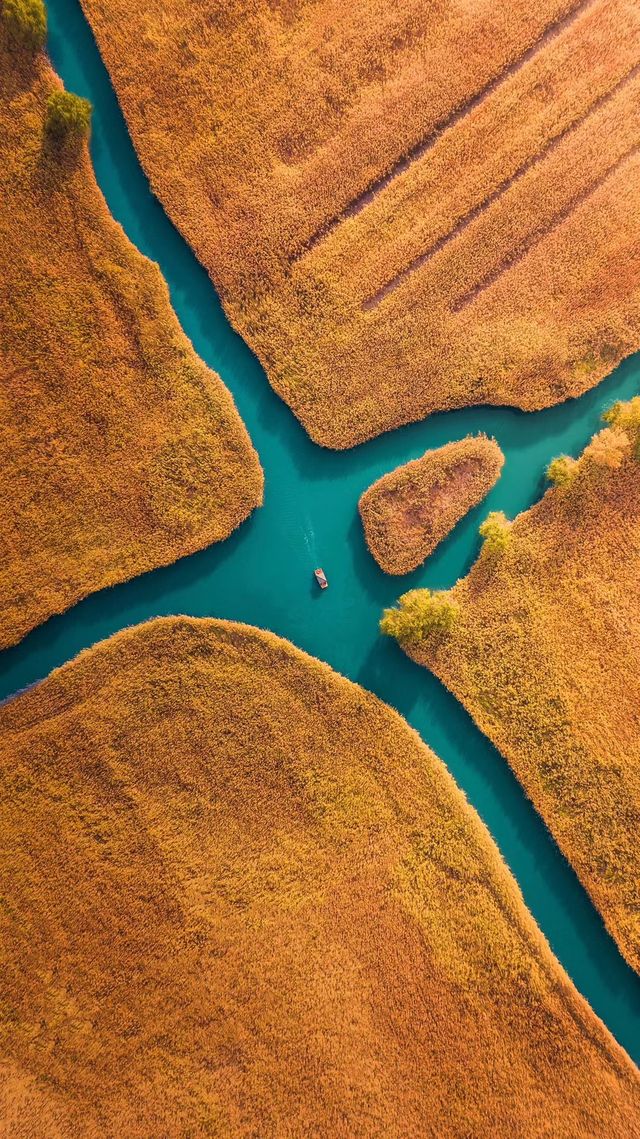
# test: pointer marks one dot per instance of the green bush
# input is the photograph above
(496, 531)
(420, 612)
(68, 116)
(26, 21)
(562, 470)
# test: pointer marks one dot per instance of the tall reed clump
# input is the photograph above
(257, 866)
(121, 451)
(344, 258)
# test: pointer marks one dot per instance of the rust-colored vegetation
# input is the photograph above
(406, 513)
(242, 898)
(404, 206)
(120, 450)
(540, 643)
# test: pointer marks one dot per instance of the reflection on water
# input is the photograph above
(263, 573)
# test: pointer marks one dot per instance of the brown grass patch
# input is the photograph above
(404, 207)
(406, 513)
(544, 653)
(121, 450)
(243, 898)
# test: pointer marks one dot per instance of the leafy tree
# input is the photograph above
(496, 531)
(26, 21)
(419, 613)
(562, 470)
(68, 116)
(608, 448)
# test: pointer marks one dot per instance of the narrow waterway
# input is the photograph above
(263, 573)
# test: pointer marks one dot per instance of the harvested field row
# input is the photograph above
(515, 256)
(121, 451)
(540, 644)
(258, 130)
(454, 119)
(243, 898)
(592, 145)
(496, 195)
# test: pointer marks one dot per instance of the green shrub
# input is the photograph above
(496, 531)
(419, 613)
(562, 470)
(68, 116)
(26, 21)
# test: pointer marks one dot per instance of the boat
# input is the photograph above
(320, 577)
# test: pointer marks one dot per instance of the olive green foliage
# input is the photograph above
(562, 470)
(496, 531)
(419, 613)
(26, 21)
(68, 116)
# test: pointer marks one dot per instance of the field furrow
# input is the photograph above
(530, 207)
(496, 194)
(453, 119)
(538, 234)
(416, 216)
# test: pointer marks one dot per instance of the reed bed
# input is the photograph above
(404, 207)
(121, 451)
(242, 898)
(540, 644)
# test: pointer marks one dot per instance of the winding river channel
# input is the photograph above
(263, 573)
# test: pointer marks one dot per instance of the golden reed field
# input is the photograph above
(406, 513)
(543, 651)
(120, 449)
(243, 898)
(404, 206)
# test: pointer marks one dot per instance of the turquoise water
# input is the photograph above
(263, 573)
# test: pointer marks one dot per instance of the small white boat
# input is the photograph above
(321, 579)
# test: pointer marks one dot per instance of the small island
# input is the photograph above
(242, 895)
(121, 451)
(540, 643)
(406, 513)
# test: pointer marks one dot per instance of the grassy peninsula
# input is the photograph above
(540, 643)
(407, 512)
(243, 898)
(121, 450)
(404, 207)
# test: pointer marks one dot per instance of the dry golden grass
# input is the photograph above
(404, 206)
(120, 449)
(543, 650)
(243, 898)
(408, 511)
